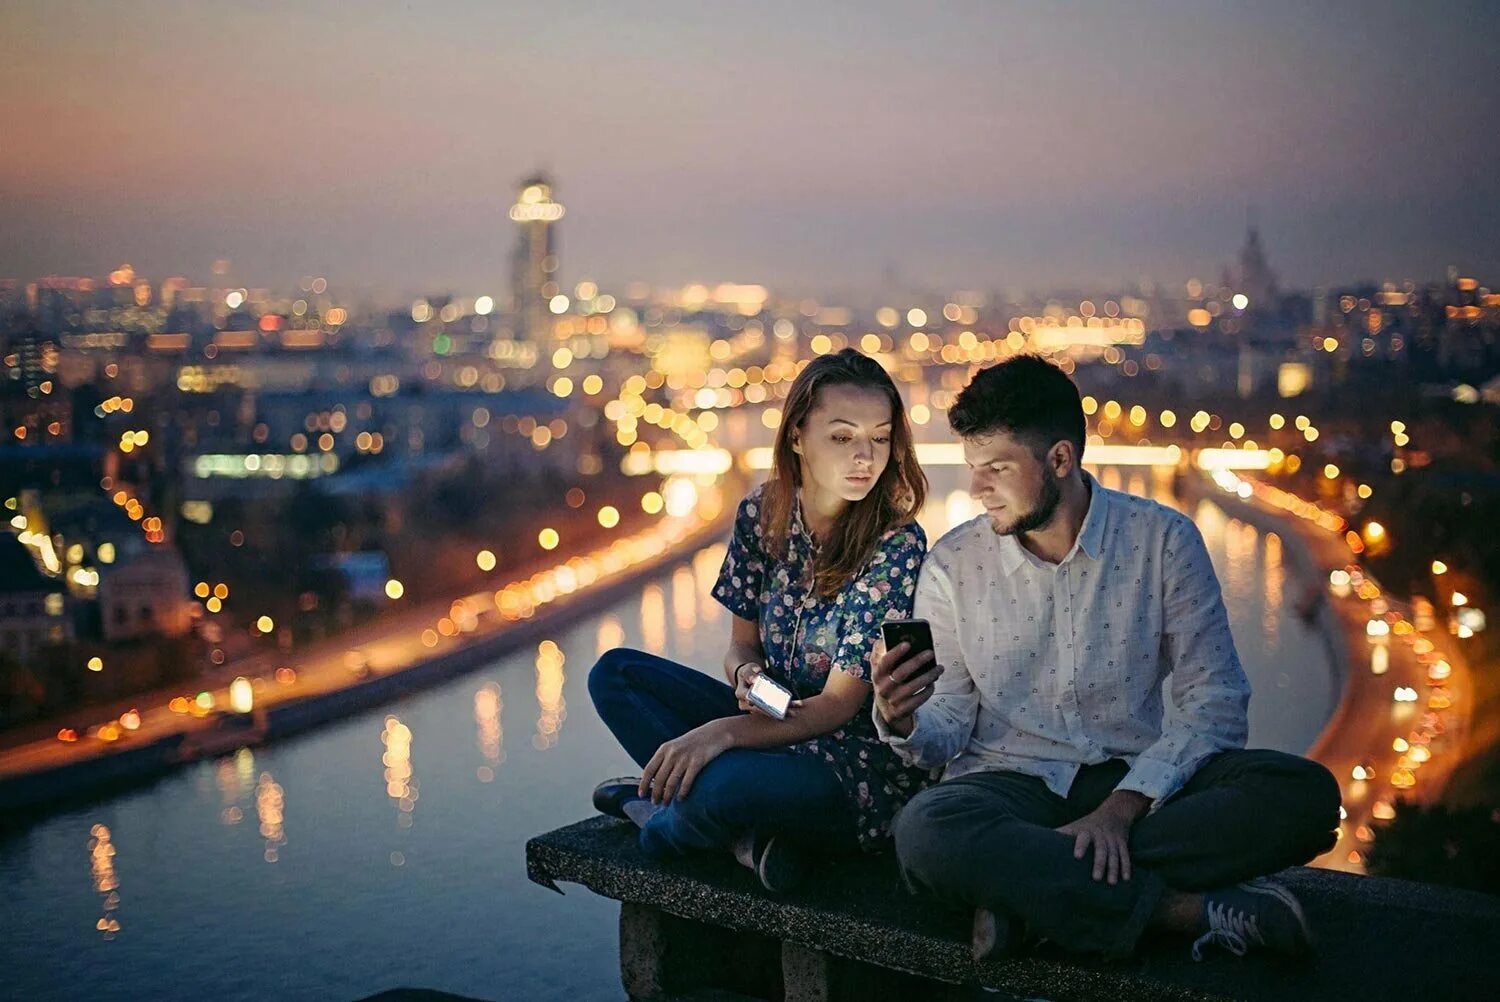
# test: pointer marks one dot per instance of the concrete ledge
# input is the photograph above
(1378, 938)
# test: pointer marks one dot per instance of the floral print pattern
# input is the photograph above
(806, 638)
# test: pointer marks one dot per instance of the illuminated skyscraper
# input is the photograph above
(1257, 280)
(534, 270)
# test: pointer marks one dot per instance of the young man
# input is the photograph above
(1068, 803)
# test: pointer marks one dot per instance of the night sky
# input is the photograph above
(827, 147)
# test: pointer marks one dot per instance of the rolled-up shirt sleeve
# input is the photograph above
(743, 573)
(1209, 691)
(943, 725)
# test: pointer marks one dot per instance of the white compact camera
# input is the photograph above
(770, 696)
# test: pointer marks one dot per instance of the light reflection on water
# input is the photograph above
(552, 708)
(336, 916)
(706, 565)
(106, 884)
(684, 599)
(488, 703)
(611, 634)
(270, 804)
(653, 618)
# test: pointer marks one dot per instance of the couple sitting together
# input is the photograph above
(1069, 807)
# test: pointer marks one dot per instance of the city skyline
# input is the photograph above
(390, 394)
(846, 150)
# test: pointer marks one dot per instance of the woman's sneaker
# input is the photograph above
(1258, 914)
(611, 796)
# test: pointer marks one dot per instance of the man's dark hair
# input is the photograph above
(1025, 396)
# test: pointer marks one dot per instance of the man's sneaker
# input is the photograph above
(985, 934)
(779, 866)
(1258, 914)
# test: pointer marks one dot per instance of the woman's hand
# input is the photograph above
(671, 771)
(744, 677)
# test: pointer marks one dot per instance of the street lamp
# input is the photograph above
(241, 695)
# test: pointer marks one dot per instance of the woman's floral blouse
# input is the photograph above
(835, 634)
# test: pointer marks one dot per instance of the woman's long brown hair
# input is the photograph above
(894, 500)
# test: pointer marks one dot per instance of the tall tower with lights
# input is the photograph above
(1257, 280)
(534, 268)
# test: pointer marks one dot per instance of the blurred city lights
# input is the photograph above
(241, 695)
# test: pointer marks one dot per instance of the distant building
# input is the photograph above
(58, 302)
(93, 531)
(12, 296)
(40, 413)
(34, 352)
(145, 593)
(32, 606)
(534, 267)
(1256, 280)
(73, 468)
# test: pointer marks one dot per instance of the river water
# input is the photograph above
(388, 849)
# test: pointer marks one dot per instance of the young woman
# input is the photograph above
(822, 553)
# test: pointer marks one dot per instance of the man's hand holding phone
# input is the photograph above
(904, 672)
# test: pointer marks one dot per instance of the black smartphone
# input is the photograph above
(915, 632)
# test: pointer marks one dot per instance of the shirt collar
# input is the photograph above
(1090, 535)
(1012, 554)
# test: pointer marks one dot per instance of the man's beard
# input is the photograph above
(1040, 514)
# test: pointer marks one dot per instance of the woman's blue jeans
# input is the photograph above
(647, 701)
